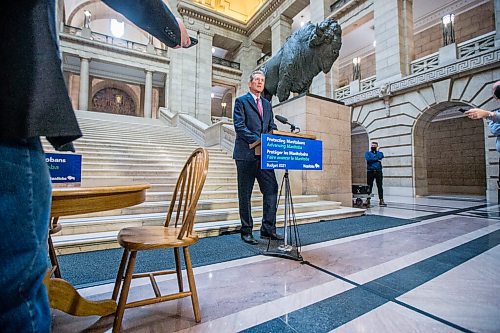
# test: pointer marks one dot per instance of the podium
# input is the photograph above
(288, 151)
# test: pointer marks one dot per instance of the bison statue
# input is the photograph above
(308, 51)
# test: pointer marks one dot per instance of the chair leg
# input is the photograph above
(119, 275)
(178, 269)
(124, 294)
(192, 285)
(53, 259)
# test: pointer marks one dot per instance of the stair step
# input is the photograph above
(107, 239)
(149, 207)
(106, 223)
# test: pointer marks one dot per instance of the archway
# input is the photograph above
(449, 156)
(359, 145)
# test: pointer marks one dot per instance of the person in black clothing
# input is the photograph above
(374, 170)
(34, 102)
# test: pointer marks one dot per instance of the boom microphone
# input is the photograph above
(283, 120)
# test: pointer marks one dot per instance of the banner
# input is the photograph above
(291, 153)
(64, 168)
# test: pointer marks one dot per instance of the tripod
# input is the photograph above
(290, 249)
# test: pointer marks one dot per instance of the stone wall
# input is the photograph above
(455, 157)
(359, 145)
(330, 123)
(475, 22)
(367, 70)
(400, 130)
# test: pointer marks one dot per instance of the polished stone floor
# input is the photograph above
(439, 274)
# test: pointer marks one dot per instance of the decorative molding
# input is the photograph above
(194, 11)
(491, 57)
(262, 14)
(341, 7)
(434, 17)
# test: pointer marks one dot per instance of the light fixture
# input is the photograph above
(448, 29)
(118, 99)
(356, 68)
(86, 19)
(374, 43)
(302, 21)
(213, 50)
(117, 28)
(212, 95)
(223, 104)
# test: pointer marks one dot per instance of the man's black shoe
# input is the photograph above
(273, 236)
(248, 238)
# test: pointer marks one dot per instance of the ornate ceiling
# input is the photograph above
(240, 10)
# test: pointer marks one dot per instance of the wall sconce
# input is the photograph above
(118, 99)
(223, 104)
(356, 68)
(448, 29)
(86, 19)
(212, 95)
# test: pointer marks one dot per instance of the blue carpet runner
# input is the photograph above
(99, 267)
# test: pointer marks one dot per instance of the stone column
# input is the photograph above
(83, 97)
(148, 94)
(203, 105)
(247, 55)
(281, 28)
(497, 23)
(190, 75)
(319, 10)
(167, 91)
(394, 35)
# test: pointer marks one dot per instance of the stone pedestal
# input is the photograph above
(330, 122)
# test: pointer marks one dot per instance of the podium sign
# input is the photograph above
(64, 168)
(291, 153)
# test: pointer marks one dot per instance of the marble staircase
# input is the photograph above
(148, 151)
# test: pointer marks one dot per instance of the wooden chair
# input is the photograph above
(182, 210)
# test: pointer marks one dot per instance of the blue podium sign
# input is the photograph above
(64, 168)
(292, 153)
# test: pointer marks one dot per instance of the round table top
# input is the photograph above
(90, 199)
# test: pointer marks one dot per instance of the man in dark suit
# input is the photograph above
(253, 116)
(34, 102)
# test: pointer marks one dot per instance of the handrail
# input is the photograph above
(98, 37)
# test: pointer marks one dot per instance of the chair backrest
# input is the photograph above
(187, 192)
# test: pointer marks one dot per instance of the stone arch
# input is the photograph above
(359, 145)
(119, 86)
(448, 156)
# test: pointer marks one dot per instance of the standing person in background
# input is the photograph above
(253, 116)
(374, 171)
(34, 102)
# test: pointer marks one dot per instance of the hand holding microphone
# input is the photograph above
(283, 120)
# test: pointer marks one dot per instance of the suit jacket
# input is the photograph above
(249, 126)
(34, 100)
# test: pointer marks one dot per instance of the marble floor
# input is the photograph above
(438, 274)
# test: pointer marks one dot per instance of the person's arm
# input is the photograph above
(380, 155)
(494, 128)
(483, 114)
(154, 17)
(239, 123)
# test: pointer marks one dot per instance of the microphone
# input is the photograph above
(283, 120)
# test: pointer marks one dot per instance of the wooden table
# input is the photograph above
(83, 200)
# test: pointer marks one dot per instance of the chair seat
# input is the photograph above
(153, 237)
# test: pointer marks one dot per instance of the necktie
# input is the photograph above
(259, 107)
